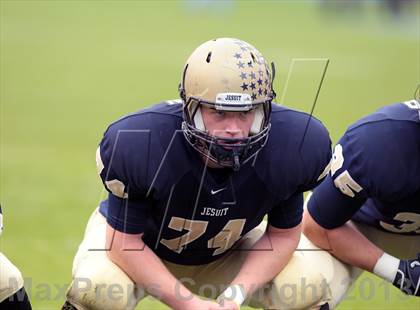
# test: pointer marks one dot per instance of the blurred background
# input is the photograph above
(69, 68)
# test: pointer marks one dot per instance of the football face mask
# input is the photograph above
(227, 75)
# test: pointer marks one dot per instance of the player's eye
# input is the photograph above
(245, 114)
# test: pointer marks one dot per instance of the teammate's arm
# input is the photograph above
(344, 242)
(333, 203)
(351, 246)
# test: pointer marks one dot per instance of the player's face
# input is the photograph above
(224, 124)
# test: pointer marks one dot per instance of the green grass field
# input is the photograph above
(68, 68)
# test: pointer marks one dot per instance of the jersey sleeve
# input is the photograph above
(128, 215)
(307, 163)
(315, 153)
(288, 213)
(121, 167)
(342, 192)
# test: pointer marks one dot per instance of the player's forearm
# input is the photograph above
(344, 242)
(356, 249)
(266, 259)
(148, 271)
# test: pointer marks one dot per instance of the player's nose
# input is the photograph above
(233, 127)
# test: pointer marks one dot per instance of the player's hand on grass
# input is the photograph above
(408, 276)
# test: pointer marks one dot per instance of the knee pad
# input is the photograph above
(11, 279)
(102, 285)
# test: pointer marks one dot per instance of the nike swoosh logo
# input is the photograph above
(217, 191)
(414, 264)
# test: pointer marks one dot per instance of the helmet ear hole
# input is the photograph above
(208, 57)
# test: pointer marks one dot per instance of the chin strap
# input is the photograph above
(236, 163)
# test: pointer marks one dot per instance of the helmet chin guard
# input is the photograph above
(226, 152)
(229, 75)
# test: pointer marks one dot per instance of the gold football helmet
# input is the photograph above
(231, 75)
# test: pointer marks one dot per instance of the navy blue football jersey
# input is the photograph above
(375, 173)
(190, 214)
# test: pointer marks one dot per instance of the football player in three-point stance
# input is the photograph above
(190, 182)
(375, 183)
(12, 292)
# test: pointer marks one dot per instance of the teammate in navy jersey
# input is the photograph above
(375, 182)
(13, 295)
(190, 182)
